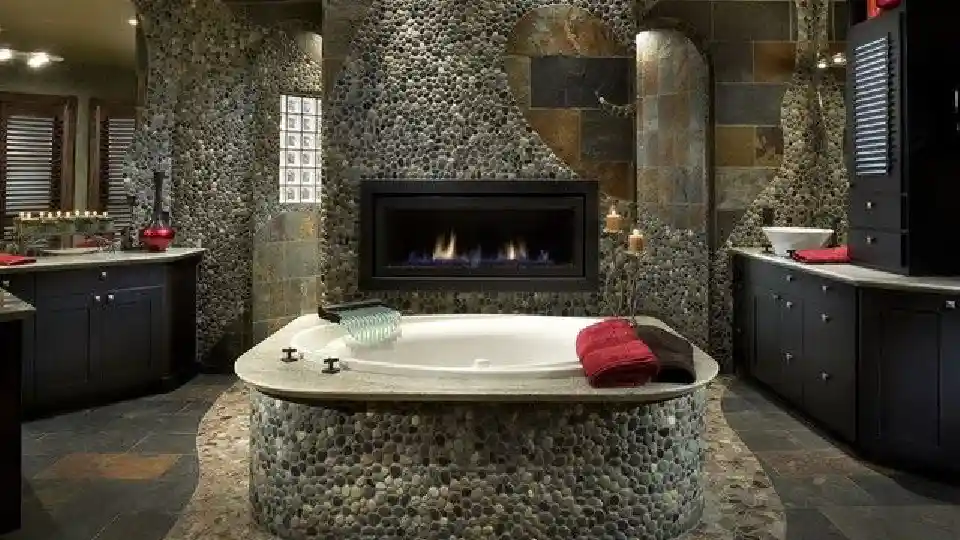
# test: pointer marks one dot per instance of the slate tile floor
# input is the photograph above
(124, 471)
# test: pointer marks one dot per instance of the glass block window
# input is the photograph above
(301, 163)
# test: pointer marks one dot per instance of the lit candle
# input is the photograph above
(58, 214)
(86, 213)
(614, 221)
(635, 242)
(104, 215)
(23, 215)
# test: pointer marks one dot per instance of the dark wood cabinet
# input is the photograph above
(909, 376)
(903, 114)
(101, 332)
(879, 368)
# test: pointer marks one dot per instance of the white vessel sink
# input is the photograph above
(786, 239)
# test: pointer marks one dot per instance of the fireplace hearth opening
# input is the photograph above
(533, 235)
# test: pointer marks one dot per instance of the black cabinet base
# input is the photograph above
(10, 443)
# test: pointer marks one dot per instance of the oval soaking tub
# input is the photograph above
(472, 346)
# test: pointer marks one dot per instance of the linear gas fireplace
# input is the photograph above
(479, 235)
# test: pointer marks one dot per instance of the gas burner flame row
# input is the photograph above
(445, 252)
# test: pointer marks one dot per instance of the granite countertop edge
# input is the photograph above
(49, 263)
(13, 308)
(859, 275)
(262, 369)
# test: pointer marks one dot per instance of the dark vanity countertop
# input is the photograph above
(13, 308)
(49, 263)
(858, 275)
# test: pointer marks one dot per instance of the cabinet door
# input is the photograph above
(63, 366)
(743, 330)
(950, 377)
(129, 332)
(791, 349)
(768, 363)
(899, 376)
(22, 286)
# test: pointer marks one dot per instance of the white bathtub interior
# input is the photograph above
(528, 346)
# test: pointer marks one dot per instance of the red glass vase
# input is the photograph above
(158, 235)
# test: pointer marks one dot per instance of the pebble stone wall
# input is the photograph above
(493, 471)
(420, 92)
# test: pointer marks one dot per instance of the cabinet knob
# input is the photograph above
(96, 298)
(110, 298)
(5, 284)
(787, 356)
(103, 275)
(775, 296)
(789, 304)
(824, 376)
(824, 288)
(950, 304)
(788, 277)
(871, 240)
(824, 317)
(869, 205)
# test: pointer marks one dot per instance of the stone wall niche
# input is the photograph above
(476, 235)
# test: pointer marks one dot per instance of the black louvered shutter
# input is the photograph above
(115, 138)
(30, 163)
(874, 105)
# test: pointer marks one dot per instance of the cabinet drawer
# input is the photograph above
(20, 285)
(89, 280)
(872, 210)
(828, 295)
(777, 278)
(880, 249)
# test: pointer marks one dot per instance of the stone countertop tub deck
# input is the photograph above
(51, 263)
(434, 455)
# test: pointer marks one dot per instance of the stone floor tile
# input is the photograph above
(768, 439)
(86, 466)
(167, 443)
(819, 490)
(145, 525)
(810, 524)
(813, 462)
(896, 522)
(902, 489)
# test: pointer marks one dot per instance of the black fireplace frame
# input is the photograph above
(587, 279)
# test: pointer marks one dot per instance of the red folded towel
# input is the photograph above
(603, 334)
(617, 366)
(838, 254)
(13, 260)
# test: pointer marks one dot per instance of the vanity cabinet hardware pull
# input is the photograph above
(871, 240)
(788, 277)
(951, 304)
(5, 284)
(103, 275)
(776, 296)
(110, 298)
(869, 205)
(824, 288)
(789, 304)
(96, 298)
(824, 317)
(824, 376)
(787, 356)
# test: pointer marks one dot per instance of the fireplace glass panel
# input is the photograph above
(479, 235)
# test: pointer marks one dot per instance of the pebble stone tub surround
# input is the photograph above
(371, 456)
(457, 118)
(505, 471)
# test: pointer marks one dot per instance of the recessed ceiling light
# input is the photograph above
(38, 60)
(6, 54)
(132, 21)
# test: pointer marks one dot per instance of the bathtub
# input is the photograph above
(473, 346)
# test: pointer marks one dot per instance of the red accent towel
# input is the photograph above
(13, 260)
(603, 334)
(838, 254)
(617, 366)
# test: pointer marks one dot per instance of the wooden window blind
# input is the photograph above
(36, 155)
(111, 134)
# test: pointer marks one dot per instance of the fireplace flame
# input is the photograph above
(445, 248)
(513, 251)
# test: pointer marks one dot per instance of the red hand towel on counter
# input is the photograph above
(13, 260)
(839, 254)
(617, 366)
(603, 334)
